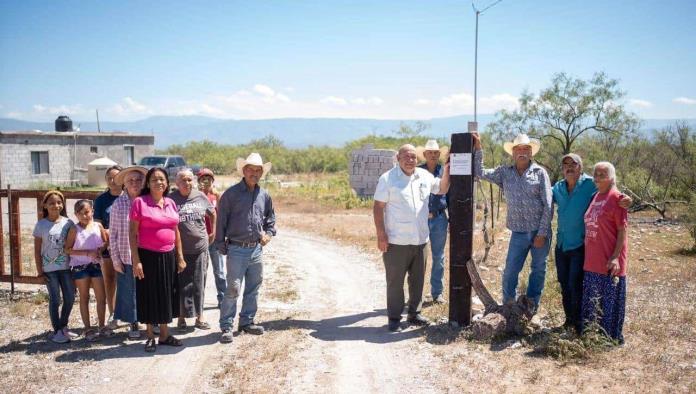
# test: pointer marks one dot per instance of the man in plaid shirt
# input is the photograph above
(132, 180)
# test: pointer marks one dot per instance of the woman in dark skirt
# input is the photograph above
(194, 207)
(606, 249)
(157, 257)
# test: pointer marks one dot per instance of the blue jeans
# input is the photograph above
(125, 308)
(520, 245)
(570, 274)
(243, 264)
(217, 260)
(56, 282)
(438, 237)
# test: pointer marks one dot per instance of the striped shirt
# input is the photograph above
(118, 230)
(528, 196)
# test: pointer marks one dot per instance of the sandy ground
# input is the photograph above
(323, 303)
(337, 314)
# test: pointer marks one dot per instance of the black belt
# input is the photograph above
(243, 244)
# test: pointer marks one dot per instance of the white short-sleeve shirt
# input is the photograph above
(406, 213)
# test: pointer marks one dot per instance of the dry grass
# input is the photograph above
(259, 363)
(660, 328)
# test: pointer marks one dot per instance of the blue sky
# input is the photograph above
(378, 59)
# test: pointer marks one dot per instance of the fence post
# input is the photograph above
(461, 210)
(10, 229)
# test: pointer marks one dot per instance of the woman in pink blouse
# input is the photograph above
(606, 249)
(157, 257)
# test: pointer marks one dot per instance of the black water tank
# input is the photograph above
(63, 123)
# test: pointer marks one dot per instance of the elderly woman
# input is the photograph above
(131, 180)
(102, 209)
(193, 208)
(604, 285)
(206, 179)
(157, 257)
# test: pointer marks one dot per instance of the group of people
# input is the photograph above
(144, 250)
(410, 209)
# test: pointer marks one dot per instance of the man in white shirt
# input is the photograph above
(401, 219)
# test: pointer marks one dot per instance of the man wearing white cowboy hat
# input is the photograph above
(246, 223)
(401, 220)
(437, 220)
(527, 189)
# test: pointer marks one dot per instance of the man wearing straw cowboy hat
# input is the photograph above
(527, 190)
(246, 223)
(437, 218)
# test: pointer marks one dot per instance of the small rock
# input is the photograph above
(516, 344)
(489, 326)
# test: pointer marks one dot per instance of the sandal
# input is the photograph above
(106, 332)
(181, 325)
(171, 341)
(91, 335)
(202, 325)
(150, 345)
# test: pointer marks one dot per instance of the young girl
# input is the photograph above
(84, 245)
(50, 233)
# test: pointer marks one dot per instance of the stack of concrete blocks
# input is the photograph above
(365, 167)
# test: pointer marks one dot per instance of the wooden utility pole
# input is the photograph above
(461, 211)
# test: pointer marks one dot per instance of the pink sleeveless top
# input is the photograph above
(86, 239)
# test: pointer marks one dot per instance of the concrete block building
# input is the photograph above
(33, 159)
(365, 167)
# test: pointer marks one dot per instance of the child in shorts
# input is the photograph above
(84, 244)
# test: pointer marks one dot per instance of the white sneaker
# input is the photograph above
(134, 331)
(59, 337)
(112, 323)
(69, 334)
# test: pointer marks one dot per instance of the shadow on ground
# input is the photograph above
(342, 328)
(117, 347)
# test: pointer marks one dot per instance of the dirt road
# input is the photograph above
(349, 349)
(339, 341)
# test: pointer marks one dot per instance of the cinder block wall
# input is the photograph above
(16, 168)
(365, 167)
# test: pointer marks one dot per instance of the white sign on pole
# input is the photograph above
(460, 163)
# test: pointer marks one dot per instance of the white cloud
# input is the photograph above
(684, 100)
(333, 100)
(367, 101)
(422, 102)
(489, 104)
(69, 110)
(269, 95)
(264, 90)
(640, 103)
(14, 114)
(129, 107)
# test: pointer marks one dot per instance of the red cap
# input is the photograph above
(205, 171)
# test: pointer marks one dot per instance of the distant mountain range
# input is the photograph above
(294, 132)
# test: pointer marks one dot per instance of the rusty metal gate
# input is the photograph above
(16, 274)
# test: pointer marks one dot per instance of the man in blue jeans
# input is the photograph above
(246, 223)
(437, 222)
(572, 195)
(527, 190)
